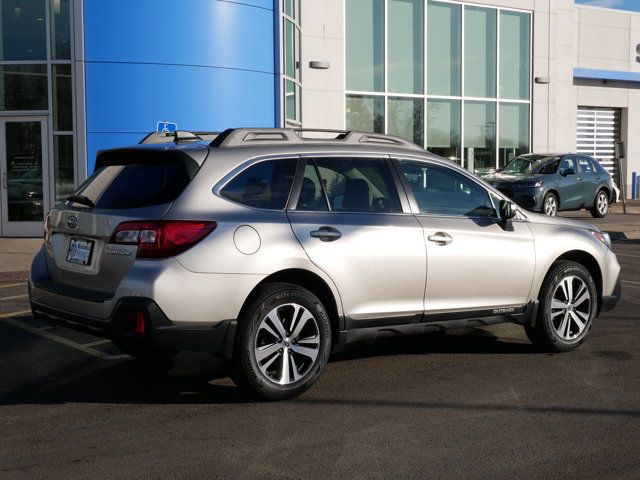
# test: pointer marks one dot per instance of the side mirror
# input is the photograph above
(507, 210)
(567, 171)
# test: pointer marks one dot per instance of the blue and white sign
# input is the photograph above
(165, 128)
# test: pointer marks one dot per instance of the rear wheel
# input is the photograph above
(568, 306)
(600, 205)
(550, 205)
(282, 344)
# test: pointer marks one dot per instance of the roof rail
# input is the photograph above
(177, 137)
(235, 137)
(379, 138)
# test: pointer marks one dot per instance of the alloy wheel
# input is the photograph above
(602, 203)
(570, 308)
(551, 206)
(287, 343)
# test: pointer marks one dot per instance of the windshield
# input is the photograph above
(533, 164)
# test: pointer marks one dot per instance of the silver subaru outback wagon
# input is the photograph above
(269, 248)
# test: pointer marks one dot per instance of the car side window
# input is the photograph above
(568, 163)
(262, 185)
(311, 196)
(440, 190)
(585, 165)
(353, 185)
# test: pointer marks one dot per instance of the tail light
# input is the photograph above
(161, 239)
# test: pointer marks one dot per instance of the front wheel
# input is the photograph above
(550, 205)
(568, 305)
(600, 205)
(282, 344)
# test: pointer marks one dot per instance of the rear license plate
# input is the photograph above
(80, 251)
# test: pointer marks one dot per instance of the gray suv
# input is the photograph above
(269, 248)
(551, 183)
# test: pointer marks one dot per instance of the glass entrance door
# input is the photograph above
(24, 196)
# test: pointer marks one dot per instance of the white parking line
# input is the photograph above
(14, 297)
(14, 314)
(10, 319)
(96, 343)
(13, 285)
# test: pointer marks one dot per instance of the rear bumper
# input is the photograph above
(610, 301)
(159, 331)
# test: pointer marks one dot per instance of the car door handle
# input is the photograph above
(326, 234)
(440, 238)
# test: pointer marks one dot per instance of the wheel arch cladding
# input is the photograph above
(310, 281)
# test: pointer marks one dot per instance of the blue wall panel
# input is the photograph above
(205, 64)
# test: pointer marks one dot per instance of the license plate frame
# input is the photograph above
(80, 256)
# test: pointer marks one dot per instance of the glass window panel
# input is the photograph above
(289, 49)
(263, 185)
(514, 131)
(23, 143)
(406, 118)
(444, 48)
(443, 128)
(60, 30)
(443, 191)
(291, 101)
(312, 198)
(515, 60)
(480, 136)
(405, 46)
(365, 113)
(24, 30)
(358, 185)
(62, 107)
(288, 7)
(63, 166)
(480, 52)
(365, 45)
(23, 87)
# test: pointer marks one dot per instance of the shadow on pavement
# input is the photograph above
(193, 378)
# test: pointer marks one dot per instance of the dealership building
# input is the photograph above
(478, 82)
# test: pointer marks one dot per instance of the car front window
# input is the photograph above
(442, 191)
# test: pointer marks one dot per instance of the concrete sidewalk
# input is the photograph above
(15, 257)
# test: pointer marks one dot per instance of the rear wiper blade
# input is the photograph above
(81, 199)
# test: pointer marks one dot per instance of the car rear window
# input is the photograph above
(136, 185)
(263, 185)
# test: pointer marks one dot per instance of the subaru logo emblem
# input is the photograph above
(72, 222)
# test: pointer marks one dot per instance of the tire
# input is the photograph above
(600, 205)
(550, 204)
(144, 353)
(564, 321)
(271, 350)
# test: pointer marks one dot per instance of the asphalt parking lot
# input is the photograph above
(482, 403)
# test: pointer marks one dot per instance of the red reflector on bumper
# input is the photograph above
(140, 323)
